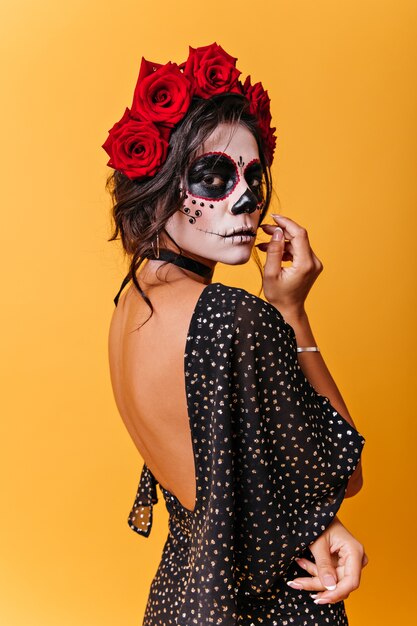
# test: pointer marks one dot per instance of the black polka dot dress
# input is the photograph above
(272, 459)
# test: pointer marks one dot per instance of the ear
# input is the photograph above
(182, 185)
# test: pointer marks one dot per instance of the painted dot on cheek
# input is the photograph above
(211, 206)
(194, 201)
(201, 203)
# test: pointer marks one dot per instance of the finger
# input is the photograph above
(269, 229)
(299, 239)
(291, 229)
(353, 568)
(342, 592)
(309, 566)
(274, 254)
(317, 263)
(313, 583)
(323, 558)
(288, 249)
(348, 583)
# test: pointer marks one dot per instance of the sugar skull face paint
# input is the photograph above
(224, 196)
(212, 176)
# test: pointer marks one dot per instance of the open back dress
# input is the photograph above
(272, 460)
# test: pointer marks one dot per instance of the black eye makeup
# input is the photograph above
(254, 177)
(212, 176)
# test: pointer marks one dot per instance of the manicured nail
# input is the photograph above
(275, 215)
(301, 564)
(320, 601)
(294, 585)
(278, 234)
(313, 595)
(329, 582)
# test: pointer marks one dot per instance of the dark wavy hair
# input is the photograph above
(141, 208)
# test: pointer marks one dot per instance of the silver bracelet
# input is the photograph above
(310, 349)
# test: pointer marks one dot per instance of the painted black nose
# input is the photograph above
(247, 203)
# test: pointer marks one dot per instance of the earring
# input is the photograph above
(157, 246)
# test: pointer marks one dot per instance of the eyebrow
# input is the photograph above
(213, 158)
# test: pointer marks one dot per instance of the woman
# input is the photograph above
(225, 395)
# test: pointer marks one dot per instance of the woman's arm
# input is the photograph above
(286, 288)
(318, 375)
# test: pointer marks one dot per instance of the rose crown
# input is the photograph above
(138, 143)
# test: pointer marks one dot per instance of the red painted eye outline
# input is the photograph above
(230, 190)
(251, 162)
(248, 165)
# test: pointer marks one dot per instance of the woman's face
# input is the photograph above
(223, 186)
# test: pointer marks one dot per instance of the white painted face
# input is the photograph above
(223, 186)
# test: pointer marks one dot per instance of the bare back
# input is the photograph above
(147, 376)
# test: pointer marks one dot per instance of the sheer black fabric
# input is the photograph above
(272, 459)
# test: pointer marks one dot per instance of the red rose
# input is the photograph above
(269, 141)
(259, 106)
(259, 102)
(136, 148)
(162, 93)
(212, 71)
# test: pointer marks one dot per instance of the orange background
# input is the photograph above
(342, 79)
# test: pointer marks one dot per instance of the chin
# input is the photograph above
(238, 255)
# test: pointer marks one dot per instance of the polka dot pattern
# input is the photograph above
(272, 458)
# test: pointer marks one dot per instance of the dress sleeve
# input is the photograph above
(293, 452)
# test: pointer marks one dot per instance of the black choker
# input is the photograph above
(177, 259)
(182, 261)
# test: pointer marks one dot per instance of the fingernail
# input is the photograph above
(320, 601)
(313, 595)
(301, 564)
(278, 234)
(294, 585)
(329, 582)
(275, 215)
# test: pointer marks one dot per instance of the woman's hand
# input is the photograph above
(287, 287)
(339, 560)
